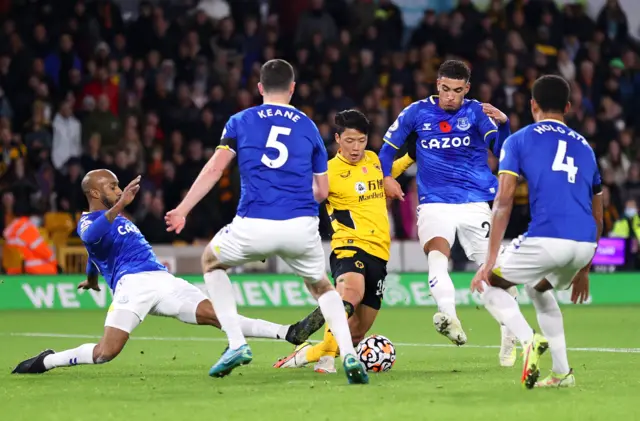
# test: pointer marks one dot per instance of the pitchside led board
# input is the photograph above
(610, 252)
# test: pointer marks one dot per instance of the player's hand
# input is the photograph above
(481, 277)
(175, 221)
(494, 113)
(392, 188)
(580, 291)
(129, 192)
(87, 284)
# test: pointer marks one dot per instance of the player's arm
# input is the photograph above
(503, 204)
(92, 277)
(395, 137)
(320, 168)
(580, 284)
(92, 232)
(494, 127)
(208, 177)
(402, 164)
(211, 172)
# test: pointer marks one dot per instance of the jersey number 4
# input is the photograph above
(560, 165)
(272, 142)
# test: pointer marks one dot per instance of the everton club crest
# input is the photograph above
(463, 124)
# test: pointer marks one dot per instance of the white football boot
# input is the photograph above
(326, 365)
(450, 327)
(297, 359)
(508, 354)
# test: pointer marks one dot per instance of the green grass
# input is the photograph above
(167, 379)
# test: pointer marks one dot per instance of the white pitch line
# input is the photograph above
(205, 339)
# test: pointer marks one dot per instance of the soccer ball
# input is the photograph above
(377, 353)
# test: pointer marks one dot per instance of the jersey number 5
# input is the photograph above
(272, 142)
(560, 165)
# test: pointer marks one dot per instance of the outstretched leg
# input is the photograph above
(116, 334)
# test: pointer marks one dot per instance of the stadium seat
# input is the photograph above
(58, 221)
(11, 259)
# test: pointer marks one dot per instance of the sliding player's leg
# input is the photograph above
(473, 234)
(437, 232)
(133, 299)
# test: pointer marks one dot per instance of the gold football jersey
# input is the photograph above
(357, 205)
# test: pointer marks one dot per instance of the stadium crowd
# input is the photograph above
(146, 88)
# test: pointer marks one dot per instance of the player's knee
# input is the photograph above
(103, 353)
(210, 262)
(438, 244)
(205, 315)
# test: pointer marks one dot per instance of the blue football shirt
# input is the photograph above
(278, 149)
(451, 150)
(122, 250)
(562, 176)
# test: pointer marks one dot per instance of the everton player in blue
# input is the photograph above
(566, 222)
(452, 135)
(141, 284)
(283, 171)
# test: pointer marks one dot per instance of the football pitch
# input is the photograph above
(162, 373)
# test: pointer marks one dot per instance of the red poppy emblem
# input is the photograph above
(364, 170)
(445, 127)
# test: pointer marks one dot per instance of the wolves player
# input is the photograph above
(360, 244)
(283, 168)
(454, 184)
(566, 222)
(140, 282)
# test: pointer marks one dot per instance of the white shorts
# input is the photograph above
(471, 221)
(530, 260)
(296, 241)
(158, 293)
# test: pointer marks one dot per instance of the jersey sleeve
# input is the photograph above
(92, 231)
(229, 139)
(510, 156)
(92, 270)
(488, 129)
(597, 180)
(400, 130)
(320, 157)
(396, 136)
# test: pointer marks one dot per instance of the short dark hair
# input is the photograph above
(276, 75)
(552, 93)
(454, 69)
(352, 119)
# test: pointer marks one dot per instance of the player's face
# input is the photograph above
(352, 144)
(110, 191)
(451, 93)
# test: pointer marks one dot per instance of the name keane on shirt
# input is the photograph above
(270, 112)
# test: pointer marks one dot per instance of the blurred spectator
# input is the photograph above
(105, 123)
(70, 197)
(67, 136)
(153, 223)
(59, 64)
